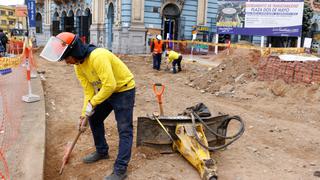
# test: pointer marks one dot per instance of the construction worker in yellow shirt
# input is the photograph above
(108, 85)
(174, 58)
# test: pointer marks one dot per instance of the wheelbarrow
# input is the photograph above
(187, 135)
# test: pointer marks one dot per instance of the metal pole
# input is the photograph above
(216, 47)
(299, 42)
(262, 42)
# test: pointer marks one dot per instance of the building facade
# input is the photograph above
(124, 26)
(9, 20)
(315, 28)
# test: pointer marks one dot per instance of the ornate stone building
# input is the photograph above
(124, 26)
(315, 5)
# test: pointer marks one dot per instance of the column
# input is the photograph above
(202, 12)
(118, 33)
(47, 23)
(137, 13)
(97, 27)
(137, 29)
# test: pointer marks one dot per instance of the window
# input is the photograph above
(11, 22)
(38, 23)
(3, 22)
(155, 9)
(2, 12)
(10, 13)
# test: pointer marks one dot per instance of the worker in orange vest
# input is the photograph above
(157, 48)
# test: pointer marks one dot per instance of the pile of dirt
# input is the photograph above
(236, 77)
(237, 67)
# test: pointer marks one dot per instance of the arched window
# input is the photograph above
(78, 20)
(85, 25)
(62, 25)
(38, 23)
(55, 24)
(88, 13)
(69, 22)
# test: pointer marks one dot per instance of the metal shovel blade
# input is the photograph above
(151, 134)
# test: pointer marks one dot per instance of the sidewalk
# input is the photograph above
(23, 128)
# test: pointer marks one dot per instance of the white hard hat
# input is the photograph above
(159, 37)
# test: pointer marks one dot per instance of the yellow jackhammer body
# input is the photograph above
(190, 149)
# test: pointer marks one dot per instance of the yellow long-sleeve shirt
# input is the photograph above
(172, 56)
(104, 71)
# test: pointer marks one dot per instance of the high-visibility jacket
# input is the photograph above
(158, 46)
(173, 56)
(102, 74)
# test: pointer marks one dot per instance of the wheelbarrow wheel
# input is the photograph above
(213, 178)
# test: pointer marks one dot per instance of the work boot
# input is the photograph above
(174, 70)
(95, 156)
(115, 176)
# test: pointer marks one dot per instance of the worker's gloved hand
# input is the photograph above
(89, 109)
(83, 123)
(163, 55)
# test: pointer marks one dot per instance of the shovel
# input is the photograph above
(159, 95)
(70, 147)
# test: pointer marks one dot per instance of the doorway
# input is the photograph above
(55, 24)
(69, 22)
(170, 22)
(78, 20)
(62, 23)
(38, 23)
(85, 23)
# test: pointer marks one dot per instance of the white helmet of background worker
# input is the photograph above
(159, 37)
(58, 46)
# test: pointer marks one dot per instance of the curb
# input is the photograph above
(32, 141)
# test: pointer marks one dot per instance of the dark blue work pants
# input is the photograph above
(178, 63)
(122, 103)
(157, 61)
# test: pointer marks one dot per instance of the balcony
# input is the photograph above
(12, 17)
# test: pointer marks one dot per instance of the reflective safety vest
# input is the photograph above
(157, 46)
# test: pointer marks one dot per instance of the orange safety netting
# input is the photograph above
(15, 47)
(12, 87)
